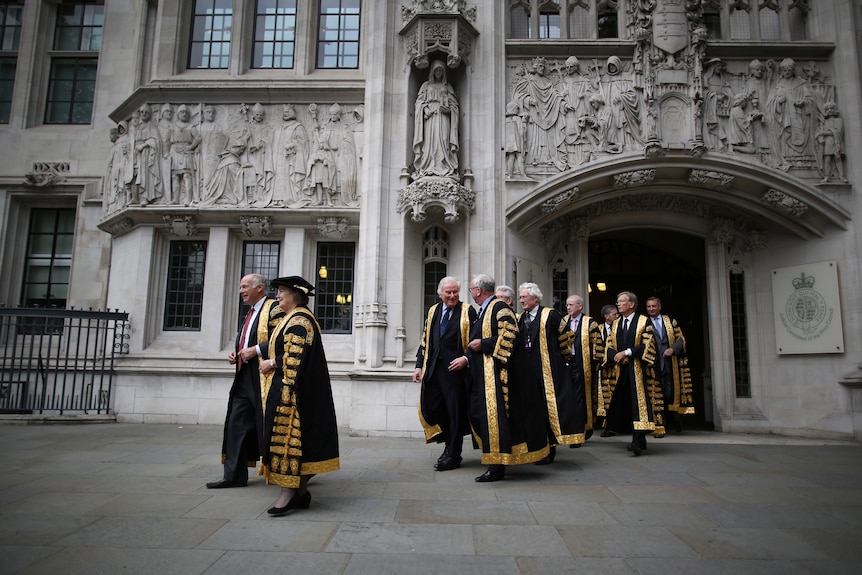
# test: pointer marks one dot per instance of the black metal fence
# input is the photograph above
(58, 361)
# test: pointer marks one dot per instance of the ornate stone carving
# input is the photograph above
(444, 193)
(781, 200)
(671, 94)
(118, 227)
(234, 156)
(435, 127)
(333, 227)
(256, 226)
(438, 26)
(650, 202)
(182, 226)
(549, 206)
(710, 180)
(634, 178)
(46, 174)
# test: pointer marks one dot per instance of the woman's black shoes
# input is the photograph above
(296, 502)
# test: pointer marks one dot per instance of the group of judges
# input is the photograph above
(523, 384)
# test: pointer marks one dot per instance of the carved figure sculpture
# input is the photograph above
(435, 126)
(339, 138)
(183, 142)
(514, 145)
(147, 186)
(576, 89)
(830, 138)
(624, 101)
(119, 171)
(320, 183)
(740, 137)
(716, 106)
(291, 154)
(599, 127)
(789, 112)
(543, 105)
(259, 161)
(213, 143)
(227, 185)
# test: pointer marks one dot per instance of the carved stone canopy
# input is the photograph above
(429, 31)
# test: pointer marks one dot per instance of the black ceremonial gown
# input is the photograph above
(299, 414)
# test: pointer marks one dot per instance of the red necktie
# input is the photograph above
(242, 337)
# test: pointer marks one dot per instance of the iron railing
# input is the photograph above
(57, 361)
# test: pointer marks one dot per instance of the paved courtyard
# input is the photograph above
(129, 498)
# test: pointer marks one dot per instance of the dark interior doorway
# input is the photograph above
(672, 267)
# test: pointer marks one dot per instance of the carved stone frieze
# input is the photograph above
(634, 178)
(333, 227)
(232, 156)
(671, 94)
(668, 203)
(429, 192)
(182, 226)
(710, 180)
(46, 174)
(781, 200)
(256, 226)
(551, 205)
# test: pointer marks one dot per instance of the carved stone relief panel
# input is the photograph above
(235, 156)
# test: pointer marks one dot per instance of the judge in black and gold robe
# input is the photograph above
(443, 400)
(299, 413)
(632, 396)
(671, 365)
(588, 350)
(543, 350)
(496, 408)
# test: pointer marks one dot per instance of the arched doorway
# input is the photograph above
(672, 267)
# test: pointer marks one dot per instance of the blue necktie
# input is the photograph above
(444, 321)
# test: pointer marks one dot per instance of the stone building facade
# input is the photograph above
(697, 150)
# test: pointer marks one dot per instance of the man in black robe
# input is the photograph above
(439, 368)
(243, 428)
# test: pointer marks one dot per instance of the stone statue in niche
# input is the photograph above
(291, 156)
(791, 116)
(147, 185)
(213, 143)
(543, 105)
(182, 144)
(435, 127)
(829, 139)
(514, 141)
(258, 160)
(163, 121)
(119, 170)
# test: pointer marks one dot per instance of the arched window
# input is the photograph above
(435, 262)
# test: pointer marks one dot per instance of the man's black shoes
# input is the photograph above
(224, 484)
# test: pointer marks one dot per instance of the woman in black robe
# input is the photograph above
(299, 414)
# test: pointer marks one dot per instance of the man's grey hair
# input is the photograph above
(532, 289)
(507, 291)
(257, 279)
(447, 280)
(484, 282)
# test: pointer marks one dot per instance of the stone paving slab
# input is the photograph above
(131, 498)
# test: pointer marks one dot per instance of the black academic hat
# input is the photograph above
(294, 282)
